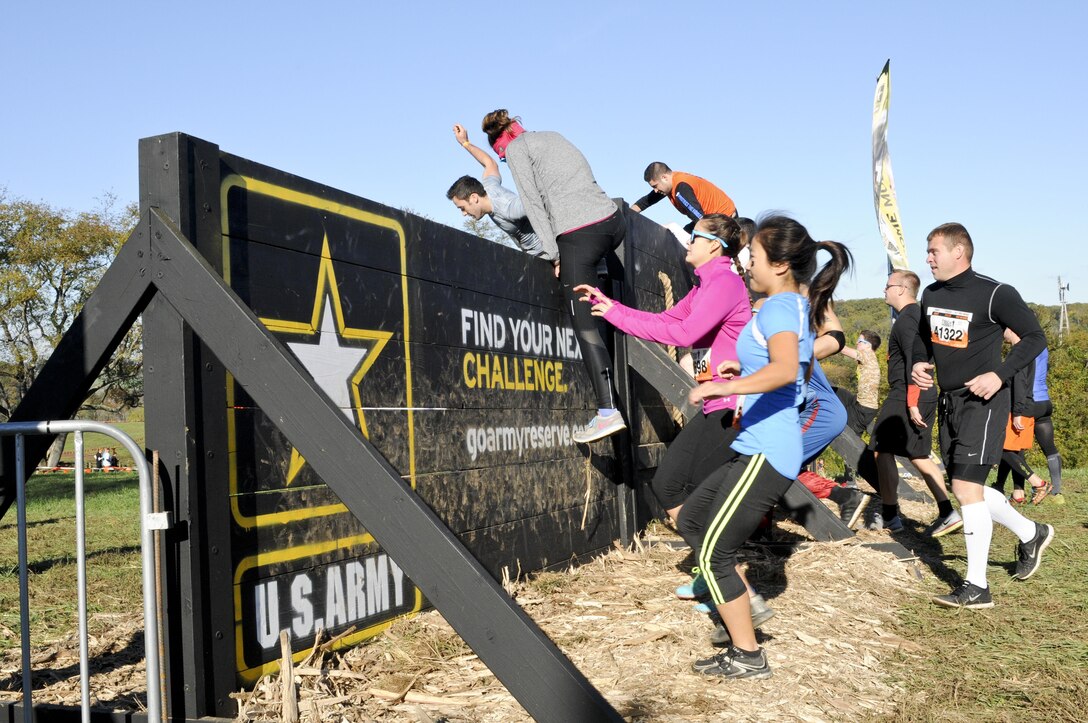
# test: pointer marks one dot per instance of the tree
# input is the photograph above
(51, 262)
(486, 230)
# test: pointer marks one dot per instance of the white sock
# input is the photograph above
(978, 528)
(1004, 514)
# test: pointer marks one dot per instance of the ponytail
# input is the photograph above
(495, 124)
(785, 240)
(823, 286)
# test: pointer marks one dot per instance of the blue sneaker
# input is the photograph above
(695, 589)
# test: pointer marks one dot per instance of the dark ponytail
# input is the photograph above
(495, 124)
(823, 286)
(785, 240)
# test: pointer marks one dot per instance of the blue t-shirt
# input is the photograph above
(1040, 392)
(823, 417)
(769, 421)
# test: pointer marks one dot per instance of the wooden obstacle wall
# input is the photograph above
(452, 354)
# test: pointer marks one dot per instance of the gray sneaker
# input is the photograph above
(944, 525)
(852, 503)
(875, 521)
(966, 596)
(600, 427)
(734, 663)
(761, 613)
(895, 524)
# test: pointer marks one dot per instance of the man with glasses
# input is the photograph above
(904, 425)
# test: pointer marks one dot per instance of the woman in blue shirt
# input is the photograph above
(775, 353)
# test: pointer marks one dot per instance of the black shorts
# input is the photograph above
(972, 429)
(894, 433)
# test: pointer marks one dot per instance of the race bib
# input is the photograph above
(701, 359)
(949, 327)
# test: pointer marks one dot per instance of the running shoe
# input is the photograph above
(734, 663)
(894, 524)
(944, 525)
(1030, 554)
(600, 427)
(1058, 499)
(877, 521)
(761, 613)
(694, 589)
(966, 596)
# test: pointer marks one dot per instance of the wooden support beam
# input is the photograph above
(82, 353)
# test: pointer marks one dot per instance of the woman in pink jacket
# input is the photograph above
(708, 320)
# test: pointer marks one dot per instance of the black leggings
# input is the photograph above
(1044, 427)
(1016, 463)
(580, 252)
(726, 508)
(701, 447)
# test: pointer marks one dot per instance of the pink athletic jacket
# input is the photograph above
(710, 317)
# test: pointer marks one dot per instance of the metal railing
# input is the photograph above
(149, 522)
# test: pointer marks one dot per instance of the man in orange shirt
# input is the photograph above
(693, 196)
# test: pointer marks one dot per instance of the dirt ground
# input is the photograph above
(618, 620)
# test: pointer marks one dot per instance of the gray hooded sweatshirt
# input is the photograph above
(556, 185)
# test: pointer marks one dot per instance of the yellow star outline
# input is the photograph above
(326, 280)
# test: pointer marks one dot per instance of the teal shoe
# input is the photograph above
(695, 589)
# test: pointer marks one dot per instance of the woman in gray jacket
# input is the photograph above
(570, 213)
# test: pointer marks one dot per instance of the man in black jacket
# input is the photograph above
(964, 316)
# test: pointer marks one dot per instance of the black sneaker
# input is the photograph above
(1030, 554)
(734, 663)
(966, 596)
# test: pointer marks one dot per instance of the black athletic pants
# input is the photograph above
(580, 252)
(725, 509)
(701, 447)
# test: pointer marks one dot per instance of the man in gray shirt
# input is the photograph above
(475, 199)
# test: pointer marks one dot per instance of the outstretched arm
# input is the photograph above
(646, 201)
(491, 168)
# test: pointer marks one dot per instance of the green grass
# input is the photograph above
(113, 559)
(92, 442)
(1024, 659)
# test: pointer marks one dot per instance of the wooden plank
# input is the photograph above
(506, 639)
(179, 175)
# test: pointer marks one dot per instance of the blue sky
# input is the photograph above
(770, 100)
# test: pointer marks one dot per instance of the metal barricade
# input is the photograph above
(149, 522)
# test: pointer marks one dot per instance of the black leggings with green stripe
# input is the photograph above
(724, 511)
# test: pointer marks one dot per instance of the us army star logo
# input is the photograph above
(334, 357)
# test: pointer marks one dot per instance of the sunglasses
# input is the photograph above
(707, 236)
